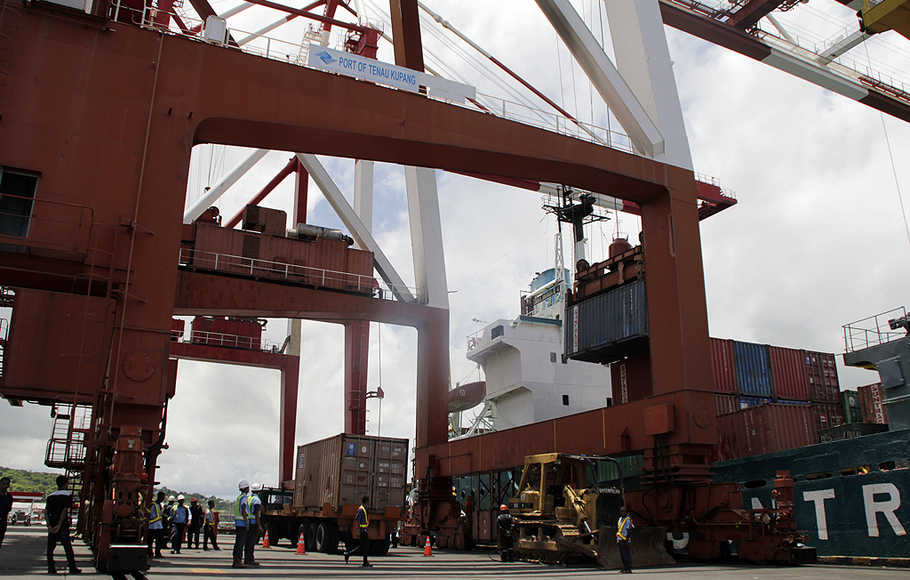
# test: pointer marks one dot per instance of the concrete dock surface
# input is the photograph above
(22, 555)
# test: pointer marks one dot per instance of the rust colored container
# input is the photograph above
(788, 371)
(265, 220)
(631, 379)
(65, 354)
(765, 429)
(226, 332)
(821, 371)
(827, 415)
(338, 471)
(723, 365)
(871, 400)
(725, 404)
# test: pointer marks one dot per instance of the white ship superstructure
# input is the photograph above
(527, 379)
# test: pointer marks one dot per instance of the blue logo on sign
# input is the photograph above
(350, 450)
(325, 57)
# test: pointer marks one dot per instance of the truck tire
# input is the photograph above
(379, 547)
(326, 540)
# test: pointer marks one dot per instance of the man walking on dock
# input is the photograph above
(253, 528)
(240, 523)
(57, 515)
(362, 523)
(623, 529)
(192, 540)
(156, 526)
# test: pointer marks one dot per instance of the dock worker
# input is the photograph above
(195, 528)
(362, 524)
(240, 523)
(6, 506)
(253, 528)
(623, 529)
(506, 525)
(168, 513)
(211, 527)
(156, 525)
(57, 515)
(178, 524)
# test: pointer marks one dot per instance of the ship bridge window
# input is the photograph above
(565, 400)
(496, 331)
(17, 196)
(552, 357)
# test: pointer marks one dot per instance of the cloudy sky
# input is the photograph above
(816, 240)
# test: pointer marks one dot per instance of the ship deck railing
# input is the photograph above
(873, 330)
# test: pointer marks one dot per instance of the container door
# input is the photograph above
(358, 456)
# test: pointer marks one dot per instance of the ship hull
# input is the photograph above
(851, 496)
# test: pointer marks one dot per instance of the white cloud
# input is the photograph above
(816, 240)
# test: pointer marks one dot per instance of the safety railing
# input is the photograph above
(295, 53)
(44, 223)
(225, 340)
(283, 272)
(874, 330)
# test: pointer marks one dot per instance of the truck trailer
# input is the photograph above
(332, 476)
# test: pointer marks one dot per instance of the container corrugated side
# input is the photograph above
(765, 429)
(821, 370)
(753, 369)
(316, 480)
(828, 415)
(725, 404)
(871, 399)
(615, 316)
(631, 379)
(723, 365)
(788, 374)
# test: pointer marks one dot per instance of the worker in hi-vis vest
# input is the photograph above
(240, 522)
(253, 528)
(623, 529)
(156, 525)
(362, 524)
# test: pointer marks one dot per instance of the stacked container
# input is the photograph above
(753, 373)
(871, 399)
(852, 410)
(821, 371)
(765, 429)
(789, 374)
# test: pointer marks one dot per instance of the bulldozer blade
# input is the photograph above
(647, 545)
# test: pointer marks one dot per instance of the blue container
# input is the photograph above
(753, 369)
(746, 402)
(598, 324)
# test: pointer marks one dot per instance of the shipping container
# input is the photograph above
(853, 412)
(850, 431)
(788, 373)
(871, 398)
(227, 332)
(723, 365)
(724, 404)
(631, 378)
(753, 369)
(765, 429)
(339, 470)
(827, 415)
(265, 220)
(747, 402)
(821, 372)
(606, 326)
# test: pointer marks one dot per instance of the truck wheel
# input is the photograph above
(379, 548)
(319, 539)
(326, 539)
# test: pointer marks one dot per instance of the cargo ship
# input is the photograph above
(776, 408)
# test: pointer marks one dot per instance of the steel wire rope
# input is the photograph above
(479, 65)
(897, 185)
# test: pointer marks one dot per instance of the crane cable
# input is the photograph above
(897, 184)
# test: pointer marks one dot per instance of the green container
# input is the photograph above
(853, 412)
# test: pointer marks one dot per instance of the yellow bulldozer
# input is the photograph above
(562, 512)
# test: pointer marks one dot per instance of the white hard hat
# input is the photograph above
(180, 497)
(256, 487)
(243, 484)
(171, 498)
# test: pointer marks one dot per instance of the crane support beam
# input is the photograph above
(215, 193)
(842, 46)
(361, 233)
(608, 81)
(734, 39)
(749, 15)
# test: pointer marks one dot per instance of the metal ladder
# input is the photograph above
(66, 447)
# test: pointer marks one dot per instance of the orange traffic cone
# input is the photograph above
(427, 551)
(265, 540)
(301, 545)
